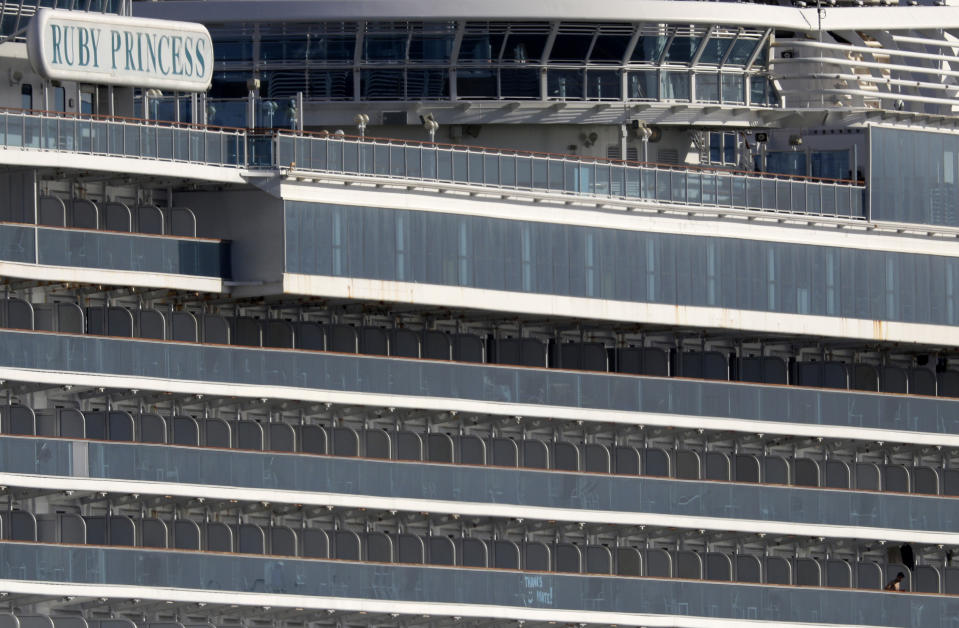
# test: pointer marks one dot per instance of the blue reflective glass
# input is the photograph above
(288, 48)
(431, 48)
(331, 47)
(523, 47)
(329, 84)
(643, 85)
(707, 87)
(742, 51)
(649, 48)
(426, 587)
(733, 88)
(914, 176)
(682, 49)
(715, 50)
(571, 47)
(515, 83)
(482, 47)
(385, 46)
(610, 48)
(786, 162)
(564, 84)
(603, 85)
(233, 49)
(674, 85)
(382, 84)
(426, 84)
(832, 164)
(476, 83)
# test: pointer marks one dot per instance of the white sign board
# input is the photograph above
(114, 50)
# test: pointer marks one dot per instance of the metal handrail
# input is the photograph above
(517, 170)
(677, 184)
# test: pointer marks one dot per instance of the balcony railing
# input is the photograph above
(685, 186)
(86, 248)
(562, 174)
(118, 137)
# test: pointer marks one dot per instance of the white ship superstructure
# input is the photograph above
(349, 314)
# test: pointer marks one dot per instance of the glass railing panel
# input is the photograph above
(398, 161)
(530, 488)
(617, 181)
(429, 161)
(381, 159)
(432, 163)
(663, 186)
(93, 249)
(524, 172)
(86, 135)
(165, 142)
(412, 164)
(507, 170)
(829, 201)
(12, 131)
(201, 571)
(491, 174)
(17, 244)
(484, 383)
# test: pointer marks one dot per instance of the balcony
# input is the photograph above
(324, 376)
(476, 489)
(385, 587)
(120, 137)
(685, 186)
(564, 175)
(113, 251)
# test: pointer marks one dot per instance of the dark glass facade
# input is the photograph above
(114, 251)
(468, 484)
(632, 266)
(404, 583)
(914, 176)
(474, 382)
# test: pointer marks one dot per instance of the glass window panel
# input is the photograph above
(426, 84)
(565, 84)
(385, 46)
(707, 87)
(715, 50)
(682, 49)
(610, 48)
(715, 144)
(287, 48)
(786, 162)
(431, 48)
(643, 85)
(649, 48)
(674, 85)
(833, 164)
(760, 90)
(742, 51)
(382, 85)
(229, 85)
(482, 47)
(519, 83)
(729, 148)
(329, 85)
(524, 47)
(233, 50)
(603, 85)
(331, 48)
(476, 83)
(60, 99)
(733, 86)
(570, 47)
